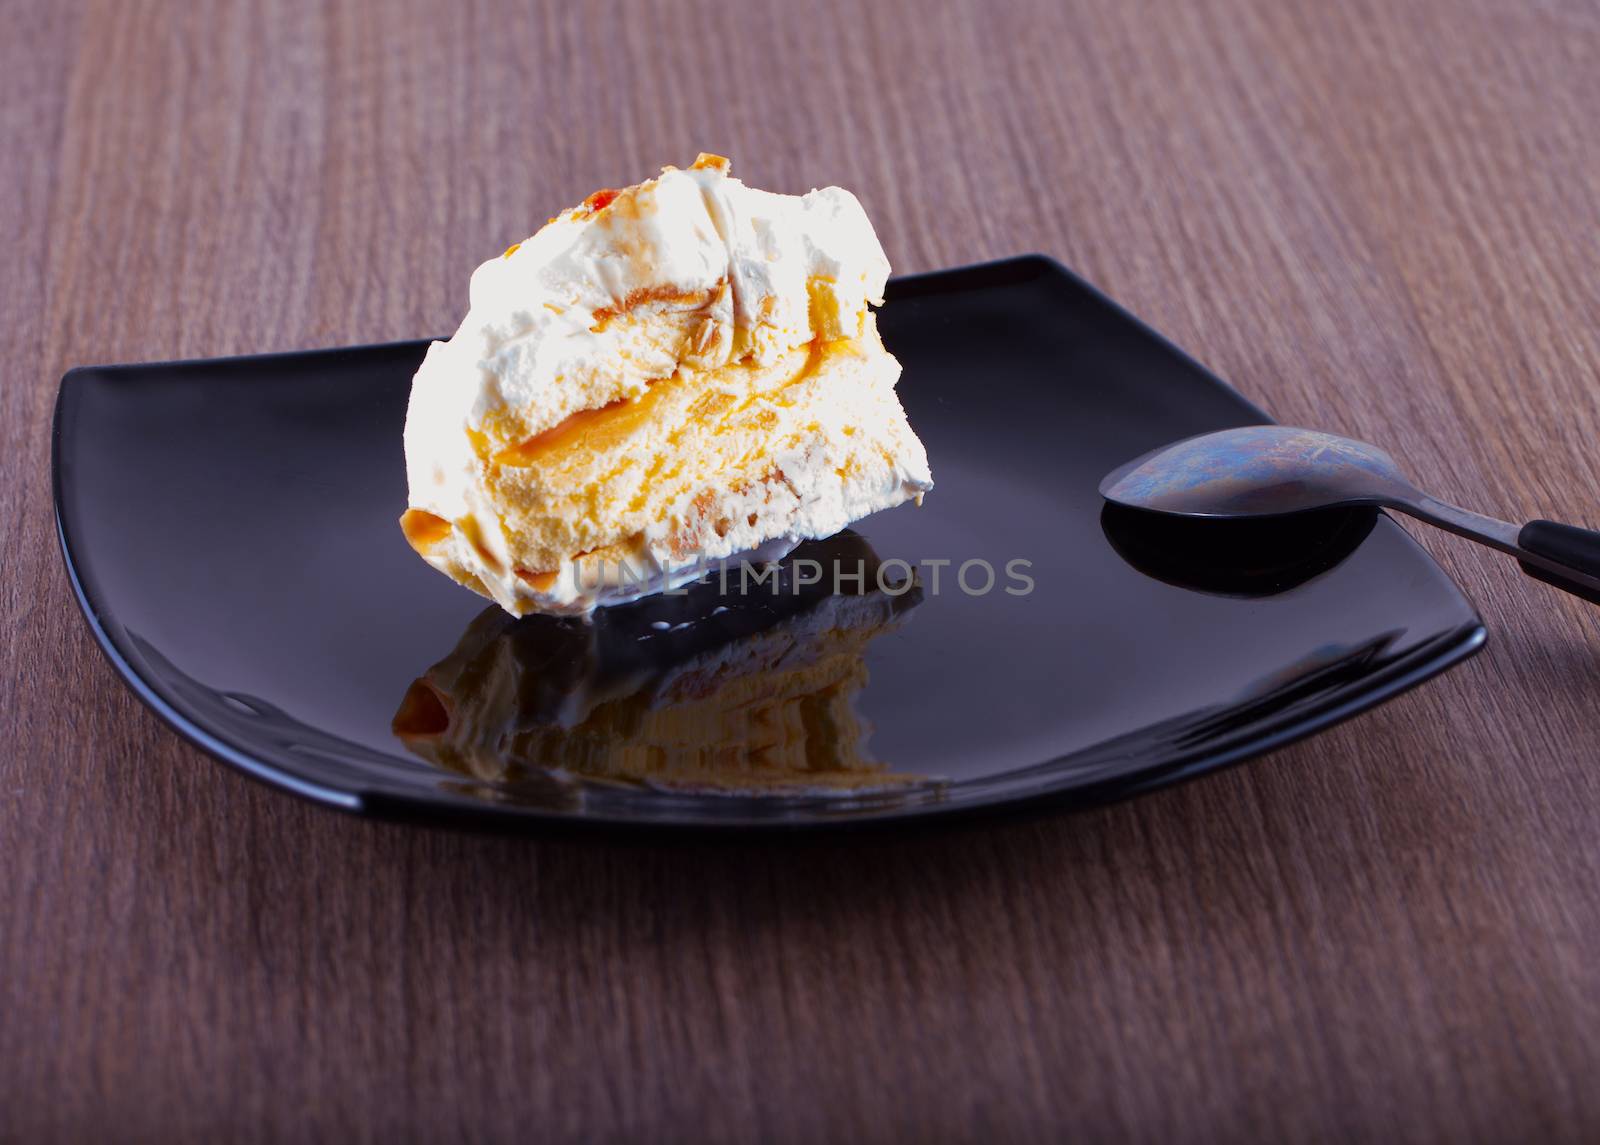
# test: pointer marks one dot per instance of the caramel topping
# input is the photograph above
(511, 250)
(540, 582)
(423, 529)
(592, 426)
(606, 426)
(706, 159)
(470, 529)
(689, 299)
(600, 200)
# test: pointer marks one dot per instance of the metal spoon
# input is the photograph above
(1271, 470)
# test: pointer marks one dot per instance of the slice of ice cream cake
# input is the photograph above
(668, 375)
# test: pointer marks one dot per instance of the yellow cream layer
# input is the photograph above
(651, 334)
(741, 449)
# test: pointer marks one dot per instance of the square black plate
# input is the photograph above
(229, 527)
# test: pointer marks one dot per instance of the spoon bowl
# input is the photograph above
(1258, 471)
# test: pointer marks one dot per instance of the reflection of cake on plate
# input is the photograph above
(677, 372)
(708, 691)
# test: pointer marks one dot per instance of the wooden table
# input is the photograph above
(1379, 218)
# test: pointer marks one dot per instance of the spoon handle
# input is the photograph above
(1565, 545)
(1561, 555)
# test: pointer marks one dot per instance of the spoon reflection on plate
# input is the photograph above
(1243, 558)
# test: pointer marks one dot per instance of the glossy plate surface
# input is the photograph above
(230, 527)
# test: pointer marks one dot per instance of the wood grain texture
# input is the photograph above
(1382, 219)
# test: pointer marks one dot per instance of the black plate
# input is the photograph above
(230, 529)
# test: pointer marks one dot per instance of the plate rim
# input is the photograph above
(442, 808)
